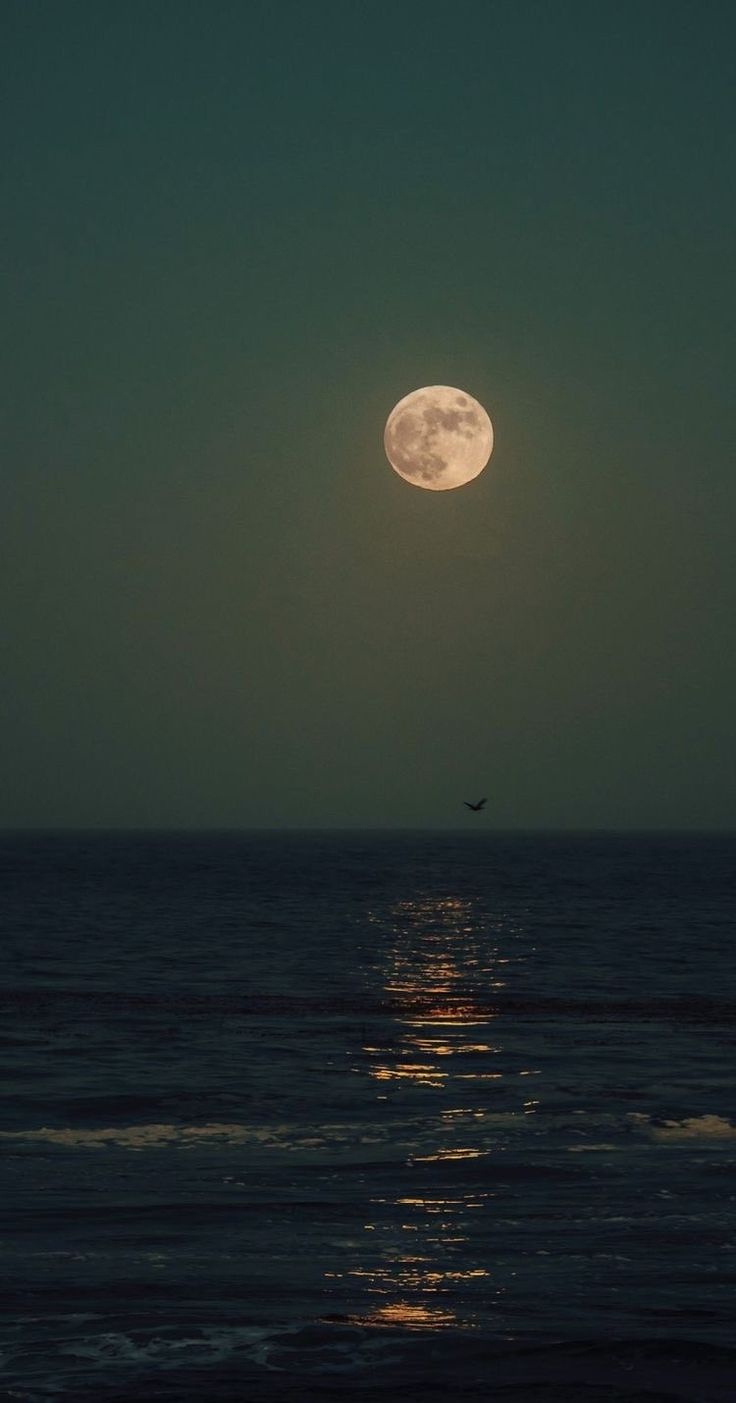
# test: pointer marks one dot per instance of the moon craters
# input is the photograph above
(438, 437)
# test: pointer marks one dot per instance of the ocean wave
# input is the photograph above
(687, 1009)
(290, 1360)
(419, 1141)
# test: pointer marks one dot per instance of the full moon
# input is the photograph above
(438, 438)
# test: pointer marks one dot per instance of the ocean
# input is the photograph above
(295, 1116)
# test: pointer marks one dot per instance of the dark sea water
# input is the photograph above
(417, 1115)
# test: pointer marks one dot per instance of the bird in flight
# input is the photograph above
(475, 807)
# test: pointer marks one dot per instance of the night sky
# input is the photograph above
(235, 234)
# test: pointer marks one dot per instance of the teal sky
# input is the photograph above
(235, 234)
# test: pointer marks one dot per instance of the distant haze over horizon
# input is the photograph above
(234, 238)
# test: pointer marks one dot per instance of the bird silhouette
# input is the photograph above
(475, 807)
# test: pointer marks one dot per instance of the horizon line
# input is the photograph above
(467, 827)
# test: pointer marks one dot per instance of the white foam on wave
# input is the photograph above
(424, 1138)
(345, 1139)
(210, 1344)
(142, 1137)
(586, 1149)
(316, 1347)
(689, 1128)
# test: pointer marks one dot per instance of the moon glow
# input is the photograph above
(438, 437)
